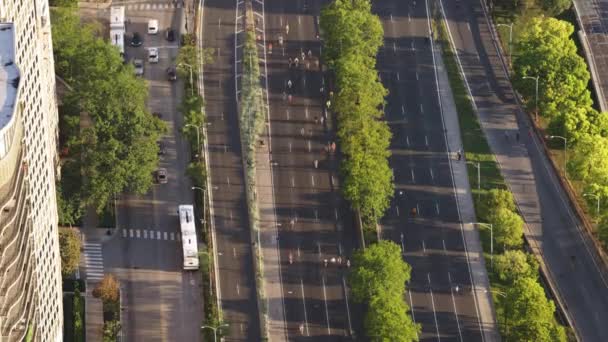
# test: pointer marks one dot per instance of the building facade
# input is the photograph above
(30, 268)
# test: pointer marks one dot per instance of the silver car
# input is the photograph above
(139, 67)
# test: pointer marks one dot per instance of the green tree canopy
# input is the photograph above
(589, 163)
(555, 7)
(515, 264)
(545, 49)
(495, 199)
(508, 228)
(378, 278)
(117, 145)
(529, 314)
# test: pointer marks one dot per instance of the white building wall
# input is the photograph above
(35, 60)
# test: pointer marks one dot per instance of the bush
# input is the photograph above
(69, 250)
(110, 331)
(494, 200)
(78, 310)
(108, 289)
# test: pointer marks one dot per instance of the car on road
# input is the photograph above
(161, 147)
(139, 67)
(153, 55)
(170, 35)
(160, 176)
(152, 26)
(136, 40)
(171, 74)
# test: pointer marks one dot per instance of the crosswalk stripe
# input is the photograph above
(130, 232)
(157, 235)
(164, 235)
(145, 233)
(137, 233)
(124, 233)
(172, 236)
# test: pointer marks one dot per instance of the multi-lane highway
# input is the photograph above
(440, 289)
(229, 219)
(553, 231)
(312, 224)
(160, 301)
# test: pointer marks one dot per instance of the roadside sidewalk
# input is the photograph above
(93, 306)
(466, 210)
(269, 244)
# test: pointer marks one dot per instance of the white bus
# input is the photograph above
(117, 27)
(189, 244)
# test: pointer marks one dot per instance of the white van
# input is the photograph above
(152, 26)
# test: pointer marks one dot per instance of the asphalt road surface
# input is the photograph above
(553, 230)
(440, 288)
(160, 301)
(314, 226)
(235, 262)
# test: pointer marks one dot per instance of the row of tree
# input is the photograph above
(378, 279)
(352, 36)
(114, 147)
(552, 7)
(545, 49)
(527, 314)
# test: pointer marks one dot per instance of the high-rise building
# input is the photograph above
(30, 269)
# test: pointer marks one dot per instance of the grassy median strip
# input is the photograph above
(523, 310)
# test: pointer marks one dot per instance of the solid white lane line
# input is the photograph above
(326, 309)
(412, 310)
(312, 180)
(304, 303)
(421, 109)
(426, 141)
(398, 78)
(432, 175)
(397, 208)
(350, 327)
(428, 275)
(437, 207)
(407, 141)
(413, 178)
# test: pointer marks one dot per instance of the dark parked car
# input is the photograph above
(171, 74)
(170, 35)
(161, 148)
(136, 40)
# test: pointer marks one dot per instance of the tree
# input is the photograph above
(69, 250)
(545, 49)
(350, 28)
(555, 7)
(495, 199)
(379, 270)
(387, 320)
(508, 228)
(111, 330)
(515, 264)
(529, 314)
(63, 3)
(378, 278)
(108, 289)
(589, 163)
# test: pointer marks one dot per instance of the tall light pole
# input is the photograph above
(536, 92)
(491, 240)
(214, 329)
(204, 193)
(510, 26)
(597, 197)
(198, 137)
(191, 82)
(565, 152)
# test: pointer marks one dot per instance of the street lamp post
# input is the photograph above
(214, 329)
(198, 137)
(536, 98)
(491, 240)
(565, 152)
(597, 197)
(510, 26)
(204, 198)
(191, 82)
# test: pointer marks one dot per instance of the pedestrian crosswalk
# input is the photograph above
(93, 259)
(149, 6)
(150, 234)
